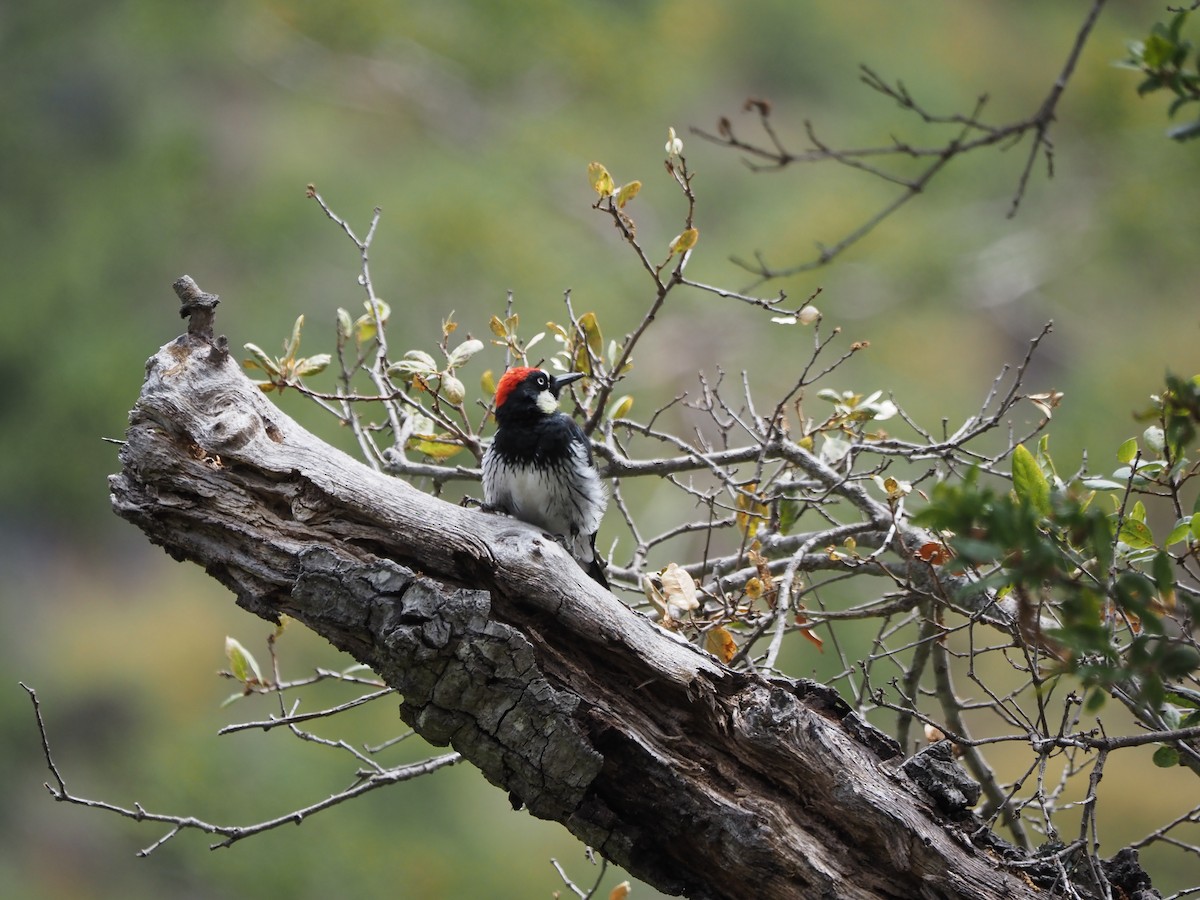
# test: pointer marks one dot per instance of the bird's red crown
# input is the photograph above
(509, 382)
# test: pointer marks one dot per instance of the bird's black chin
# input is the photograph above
(558, 382)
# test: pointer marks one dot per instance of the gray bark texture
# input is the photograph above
(696, 778)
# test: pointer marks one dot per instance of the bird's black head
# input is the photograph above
(525, 391)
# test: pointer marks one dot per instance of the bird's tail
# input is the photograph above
(589, 560)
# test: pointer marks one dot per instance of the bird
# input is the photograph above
(539, 467)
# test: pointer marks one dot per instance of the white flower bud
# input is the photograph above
(674, 145)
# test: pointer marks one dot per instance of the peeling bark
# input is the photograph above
(698, 779)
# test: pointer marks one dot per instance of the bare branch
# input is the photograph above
(229, 834)
(972, 134)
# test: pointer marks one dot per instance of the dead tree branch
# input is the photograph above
(697, 778)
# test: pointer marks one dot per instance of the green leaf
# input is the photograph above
(1029, 483)
(345, 326)
(262, 359)
(1159, 48)
(1094, 701)
(1102, 484)
(313, 364)
(1185, 132)
(1177, 104)
(413, 363)
(789, 514)
(1187, 702)
(1138, 511)
(1178, 661)
(1127, 451)
(1166, 757)
(1151, 84)
(1180, 532)
(463, 352)
(293, 343)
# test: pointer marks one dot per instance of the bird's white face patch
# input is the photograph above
(547, 402)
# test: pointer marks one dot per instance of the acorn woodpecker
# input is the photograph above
(539, 465)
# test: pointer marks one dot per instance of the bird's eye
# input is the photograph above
(542, 382)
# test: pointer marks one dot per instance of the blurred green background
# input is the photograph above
(144, 140)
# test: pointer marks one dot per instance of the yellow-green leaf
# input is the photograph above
(487, 383)
(364, 328)
(438, 448)
(620, 407)
(1029, 484)
(592, 341)
(1136, 534)
(452, 389)
(241, 663)
(750, 511)
(685, 241)
(627, 193)
(380, 307)
(1127, 451)
(600, 180)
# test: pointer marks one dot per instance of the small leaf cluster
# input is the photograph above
(422, 373)
(1093, 588)
(288, 369)
(614, 199)
(366, 327)
(847, 425)
(1168, 62)
(1182, 710)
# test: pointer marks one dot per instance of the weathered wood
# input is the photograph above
(696, 778)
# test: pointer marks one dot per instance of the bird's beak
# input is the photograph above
(558, 382)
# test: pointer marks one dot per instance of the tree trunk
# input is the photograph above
(696, 778)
